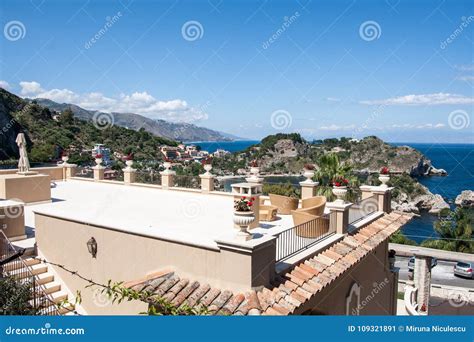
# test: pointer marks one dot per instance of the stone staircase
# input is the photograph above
(46, 285)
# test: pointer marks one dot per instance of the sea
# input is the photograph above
(456, 159)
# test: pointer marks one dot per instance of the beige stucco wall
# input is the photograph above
(124, 257)
(27, 189)
(55, 172)
(373, 270)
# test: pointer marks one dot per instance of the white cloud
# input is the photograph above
(468, 67)
(4, 84)
(334, 127)
(333, 99)
(30, 88)
(418, 126)
(465, 78)
(424, 99)
(176, 110)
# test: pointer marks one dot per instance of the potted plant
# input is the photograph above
(384, 176)
(244, 216)
(129, 160)
(254, 169)
(98, 159)
(339, 188)
(308, 172)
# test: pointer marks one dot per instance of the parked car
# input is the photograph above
(464, 269)
(411, 263)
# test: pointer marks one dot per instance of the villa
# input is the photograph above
(296, 256)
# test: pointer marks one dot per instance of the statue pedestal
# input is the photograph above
(27, 173)
(26, 188)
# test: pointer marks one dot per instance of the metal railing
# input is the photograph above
(363, 208)
(298, 238)
(148, 177)
(13, 266)
(189, 182)
(85, 172)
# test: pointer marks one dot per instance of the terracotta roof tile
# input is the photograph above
(172, 292)
(232, 304)
(220, 301)
(181, 297)
(299, 285)
(196, 296)
(210, 296)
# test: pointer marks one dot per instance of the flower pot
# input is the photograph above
(340, 192)
(129, 163)
(98, 161)
(65, 159)
(243, 219)
(167, 165)
(254, 170)
(384, 179)
(309, 174)
(208, 168)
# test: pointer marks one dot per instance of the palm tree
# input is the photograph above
(455, 233)
(331, 167)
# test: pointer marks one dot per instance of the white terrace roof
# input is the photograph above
(185, 216)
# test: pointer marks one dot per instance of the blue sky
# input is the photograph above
(403, 70)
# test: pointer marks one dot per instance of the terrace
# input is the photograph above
(143, 222)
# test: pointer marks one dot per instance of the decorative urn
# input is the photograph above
(129, 163)
(384, 179)
(243, 219)
(208, 168)
(340, 192)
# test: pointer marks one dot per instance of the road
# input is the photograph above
(441, 274)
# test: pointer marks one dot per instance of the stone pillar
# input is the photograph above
(246, 265)
(167, 179)
(308, 189)
(382, 194)
(339, 216)
(207, 182)
(422, 280)
(70, 170)
(98, 173)
(129, 175)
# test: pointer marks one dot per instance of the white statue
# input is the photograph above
(23, 162)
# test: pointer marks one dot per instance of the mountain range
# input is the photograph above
(185, 132)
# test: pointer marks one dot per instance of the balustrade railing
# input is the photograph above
(12, 265)
(148, 177)
(189, 182)
(298, 238)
